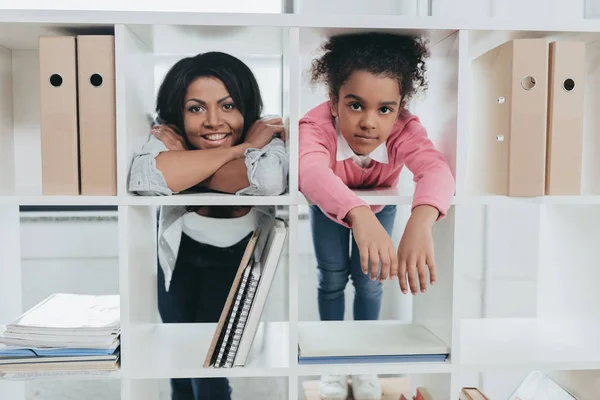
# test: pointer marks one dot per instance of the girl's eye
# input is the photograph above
(229, 106)
(355, 106)
(195, 109)
(385, 110)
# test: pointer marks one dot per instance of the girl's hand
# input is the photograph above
(415, 252)
(374, 244)
(168, 135)
(261, 132)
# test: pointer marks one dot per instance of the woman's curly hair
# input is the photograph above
(396, 56)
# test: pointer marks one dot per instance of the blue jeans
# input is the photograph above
(335, 264)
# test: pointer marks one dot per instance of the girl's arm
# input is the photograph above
(433, 195)
(319, 183)
(435, 184)
(316, 180)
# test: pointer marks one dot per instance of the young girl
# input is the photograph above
(209, 136)
(361, 138)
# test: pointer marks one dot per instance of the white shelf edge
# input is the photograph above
(380, 369)
(110, 17)
(62, 376)
(208, 200)
(383, 197)
(528, 366)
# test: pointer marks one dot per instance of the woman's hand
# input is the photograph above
(374, 243)
(261, 132)
(168, 135)
(415, 252)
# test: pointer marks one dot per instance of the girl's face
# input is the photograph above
(210, 117)
(367, 108)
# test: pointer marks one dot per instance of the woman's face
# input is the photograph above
(210, 117)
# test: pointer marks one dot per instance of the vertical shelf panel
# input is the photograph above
(293, 299)
(463, 112)
(434, 308)
(291, 101)
(7, 145)
(10, 284)
(134, 98)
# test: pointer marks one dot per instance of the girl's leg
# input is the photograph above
(331, 242)
(367, 293)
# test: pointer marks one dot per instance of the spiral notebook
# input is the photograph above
(240, 317)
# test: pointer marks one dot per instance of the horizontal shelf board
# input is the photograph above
(500, 200)
(211, 199)
(60, 200)
(371, 197)
(381, 369)
(529, 342)
(61, 376)
(161, 351)
(425, 23)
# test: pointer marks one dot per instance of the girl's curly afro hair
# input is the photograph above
(399, 57)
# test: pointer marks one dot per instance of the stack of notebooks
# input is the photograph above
(337, 342)
(63, 333)
(241, 315)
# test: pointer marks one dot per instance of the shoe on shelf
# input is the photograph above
(333, 387)
(366, 387)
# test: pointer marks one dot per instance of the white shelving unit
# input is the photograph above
(563, 335)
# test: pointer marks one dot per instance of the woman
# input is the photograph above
(208, 136)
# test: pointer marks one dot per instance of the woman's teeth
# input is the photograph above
(216, 136)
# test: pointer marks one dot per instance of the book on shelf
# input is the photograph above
(243, 309)
(340, 342)
(472, 393)
(64, 332)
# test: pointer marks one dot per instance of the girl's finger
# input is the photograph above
(411, 267)
(374, 258)
(432, 269)
(402, 275)
(364, 259)
(422, 272)
(384, 256)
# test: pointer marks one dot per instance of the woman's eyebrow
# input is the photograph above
(196, 100)
(204, 103)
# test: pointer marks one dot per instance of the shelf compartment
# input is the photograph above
(506, 343)
(482, 176)
(178, 351)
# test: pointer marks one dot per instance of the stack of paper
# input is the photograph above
(65, 332)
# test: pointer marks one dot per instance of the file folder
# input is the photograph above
(58, 115)
(510, 133)
(565, 117)
(97, 119)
